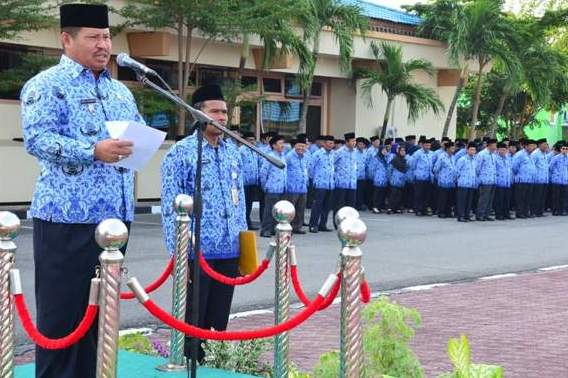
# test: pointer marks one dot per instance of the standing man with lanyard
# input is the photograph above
(321, 171)
(64, 110)
(345, 162)
(223, 208)
(297, 162)
(251, 167)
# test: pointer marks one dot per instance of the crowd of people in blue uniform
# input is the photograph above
(483, 180)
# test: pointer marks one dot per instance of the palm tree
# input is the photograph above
(395, 79)
(343, 20)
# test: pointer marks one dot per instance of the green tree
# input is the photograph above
(343, 20)
(394, 76)
(17, 16)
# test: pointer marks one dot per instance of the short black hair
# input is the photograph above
(71, 30)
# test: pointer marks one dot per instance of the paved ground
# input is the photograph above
(401, 251)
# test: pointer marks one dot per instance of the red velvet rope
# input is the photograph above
(206, 334)
(154, 285)
(365, 292)
(302, 296)
(229, 280)
(60, 343)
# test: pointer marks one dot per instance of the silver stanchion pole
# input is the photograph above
(283, 212)
(183, 204)
(352, 233)
(9, 229)
(111, 235)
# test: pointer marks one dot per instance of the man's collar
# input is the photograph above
(75, 69)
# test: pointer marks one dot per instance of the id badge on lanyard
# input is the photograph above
(234, 189)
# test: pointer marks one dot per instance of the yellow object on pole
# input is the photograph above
(248, 261)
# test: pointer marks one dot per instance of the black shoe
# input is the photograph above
(313, 230)
(299, 232)
(521, 217)
(489, 219)
(480, 219)
(462, 220)
(265, 234)
(325, 229)
(442, 216)
(508, 217)
(306, 224)
(389, 211)
(500, 218)
(253, 228)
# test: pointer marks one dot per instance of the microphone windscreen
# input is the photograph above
(121, 59)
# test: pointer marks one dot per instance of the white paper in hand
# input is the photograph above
(146, 140)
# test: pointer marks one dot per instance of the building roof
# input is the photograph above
(385, 13)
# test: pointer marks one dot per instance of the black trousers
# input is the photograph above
(215, 300)
(361, 203)
(445, 201)
(558, 193)
(463, 202)
(433, 197)
(251, 195)
(343, 197)
(299, 202)
(485, 200)
(310, 196)
(421, 195)
(502, 202)
(268, 222)
(408, 195)
(320, 208)
(369, 193)
(65, 257)
(523, 197)
(538, 199)
(379, 197)
(395, 198)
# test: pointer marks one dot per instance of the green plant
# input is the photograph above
(12, 80)
(241, 357)
(388, 328)
(460, 355)
(137, 343)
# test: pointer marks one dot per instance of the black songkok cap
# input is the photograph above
(361, 140)
(302, 136)
(543, 140)
(450, 144)
(422, 139)
(445, 139)
(491, 141)
(339, 141)
(530, 141)
(388, 141)
(501, 145)
(328, 138)
(398, 140)
(374, 138)
(275, 139)
(348, 136)
(83, 16)
(410, 137)
(207, 93)
(472, 144)
(300, 139)
(249, 134)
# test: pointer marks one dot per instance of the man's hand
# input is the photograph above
(112, 150)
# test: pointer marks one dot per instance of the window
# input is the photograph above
(272, 85)
(316, 89)
(248, 118)
(250, 83)
(210, 76)
(282, 117)
(167, 70)
(292, 87)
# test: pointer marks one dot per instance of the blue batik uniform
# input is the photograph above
(272, 178)
(559, 169)
(250, 164)
(361, 157)
(297, 175)
(541, 160)
(459, 154)
(397, 178)
(422, 165)
(410, 171)
(485, 166)
(445, 171)
(436, 154)
(314, 148)
(380, 176)
(466, 169)
(503, 172)
(222, 190)
(345, 162)
(322, 169)
(524, 169)
(370, 162)
(64, 110)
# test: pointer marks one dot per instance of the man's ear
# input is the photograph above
(65, 39)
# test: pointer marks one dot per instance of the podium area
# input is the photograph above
(134, 365)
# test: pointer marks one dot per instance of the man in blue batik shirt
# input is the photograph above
(503, 182)
(64, 110)
(361, 156)
(297, 163)
(485, 166)
(421, 165)
(466, 183)
(250, 161)
(345, 161)
(273, 184)
(322, 172)
(541, 159)
(223, 215)
(524, 172)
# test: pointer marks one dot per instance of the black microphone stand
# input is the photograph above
(203, 120)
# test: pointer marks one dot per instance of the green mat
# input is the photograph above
(133, 365)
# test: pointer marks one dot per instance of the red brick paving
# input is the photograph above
(516, 322)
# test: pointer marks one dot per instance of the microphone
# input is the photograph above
(124, 60)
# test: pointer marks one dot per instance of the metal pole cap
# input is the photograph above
(283, 212)
(183, 204)
(352, 232)
(344, 213)
(111, 234)
(9, 226)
